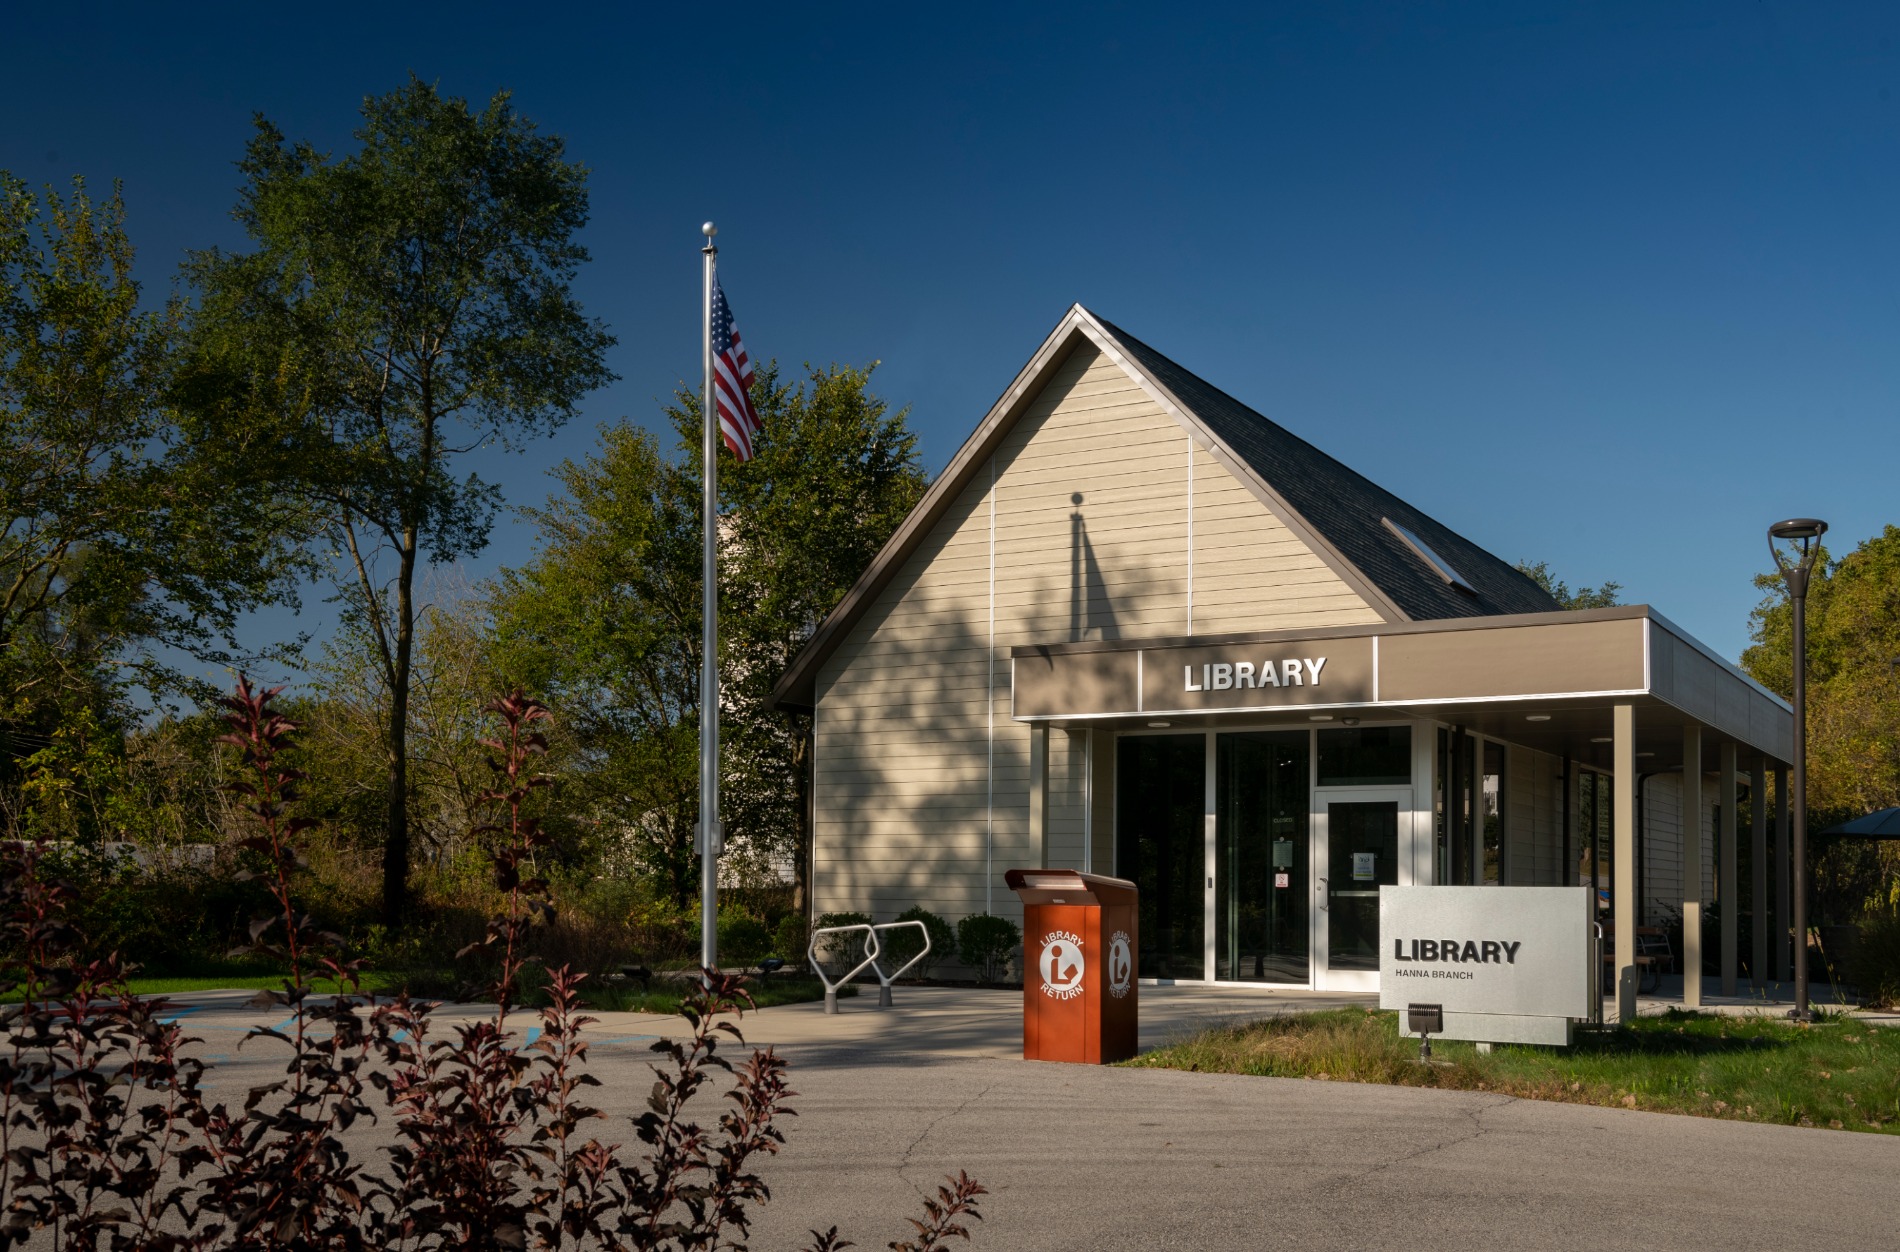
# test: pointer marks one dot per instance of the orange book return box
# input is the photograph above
(1081, 949)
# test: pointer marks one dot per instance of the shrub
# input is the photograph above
(1876, 965)
(743, 939)
(789, 939)
(840, 952)
(988, 944)
(903, 943)
(662, 932)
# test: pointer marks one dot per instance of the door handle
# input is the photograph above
(1323, 885)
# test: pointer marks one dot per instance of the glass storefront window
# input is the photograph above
(1365, 756)
(1493, 791)
(1161, 844)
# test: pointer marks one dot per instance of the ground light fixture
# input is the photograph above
(1796, 545)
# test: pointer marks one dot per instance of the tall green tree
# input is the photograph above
(604, 625)
(835, 475)
(120, 546)
(1853, 610)
(1582, 598)
(400, 306)
(1853, 671)
(607, 618)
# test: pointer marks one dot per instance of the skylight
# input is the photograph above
(1439, 564)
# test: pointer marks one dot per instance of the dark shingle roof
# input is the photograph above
(1348, 509)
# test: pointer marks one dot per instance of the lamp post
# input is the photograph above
(1802, 535)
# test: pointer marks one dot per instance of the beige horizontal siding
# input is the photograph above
(1244, 557)
(922, 776)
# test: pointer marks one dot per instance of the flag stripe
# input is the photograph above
(732, 381)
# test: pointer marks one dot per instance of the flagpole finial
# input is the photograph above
(709, 230)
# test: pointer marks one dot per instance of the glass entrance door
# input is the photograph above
(1356, 840)
(1261, 857)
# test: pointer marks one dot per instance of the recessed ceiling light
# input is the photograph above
(1602, 739)
(1537, 717)
(1348, 721)
(1320, 717)
(1159, 725)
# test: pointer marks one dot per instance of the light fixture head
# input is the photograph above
(1602, 739)
(1798, 528)
(1804, 536)
(1537, 717)
(1159, 725)
(1645, 754)
(1319, 717)
(1348, 721)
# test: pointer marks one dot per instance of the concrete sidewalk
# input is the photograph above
(1767, 1000)
(925, 1024)
(931, 1024)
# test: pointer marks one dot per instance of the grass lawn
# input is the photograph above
(1839, 1073)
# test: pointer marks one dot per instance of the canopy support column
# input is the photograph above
(1758, 874)
(1623, 767)
(1692, 866)
(1039, 789)
(1725, 897)
(1784, 895)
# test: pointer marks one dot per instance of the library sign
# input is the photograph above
(1222, 677)
(1505, 952)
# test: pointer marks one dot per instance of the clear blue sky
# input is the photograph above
(1612, 286)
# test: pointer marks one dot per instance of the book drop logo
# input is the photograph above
(1121, 964)
(1062, 965)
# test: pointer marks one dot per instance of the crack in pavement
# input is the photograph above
(1478, 1130)
(904, 1161)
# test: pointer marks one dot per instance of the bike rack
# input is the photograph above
(884, 980)
(871, 951)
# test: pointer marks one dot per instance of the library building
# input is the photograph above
(1136, 628)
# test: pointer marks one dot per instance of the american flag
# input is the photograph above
(732, 380)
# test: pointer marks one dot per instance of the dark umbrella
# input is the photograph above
(1879, 824)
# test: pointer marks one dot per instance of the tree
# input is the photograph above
(448, 768)
(119, 545)
(401, 306)
(1582, 598)
(1853, 610)
(605, 622)
(836, 473)
(1853, 671)
(116, 542)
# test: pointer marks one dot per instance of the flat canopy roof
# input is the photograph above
(1545, 680)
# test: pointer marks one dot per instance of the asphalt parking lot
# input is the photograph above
(1090, 1158)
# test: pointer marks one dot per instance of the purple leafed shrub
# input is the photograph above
(274, 1172)
(107, 1140)
(91, 1085)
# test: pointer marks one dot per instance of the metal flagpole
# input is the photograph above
(709, 831)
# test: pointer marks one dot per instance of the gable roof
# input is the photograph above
(1339, 513)
(1349, 509)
